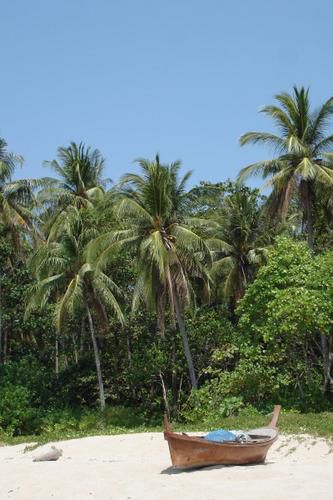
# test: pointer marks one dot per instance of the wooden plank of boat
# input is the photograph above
(193, 451)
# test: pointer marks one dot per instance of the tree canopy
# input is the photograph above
(166, 297)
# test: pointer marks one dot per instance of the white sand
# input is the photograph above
(137, 467)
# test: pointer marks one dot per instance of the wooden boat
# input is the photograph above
(192, 451)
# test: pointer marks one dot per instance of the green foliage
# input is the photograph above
(290, 301)
(317, 424)
(169, 255)
(76, 385)
(238, 240)
(151, 235)
(81, 181)
(152, 358)
(289, 265)
(19, 419)
(135, 358)
(302, 167)
(33, 375)
(16, 414)
(69, 423)
(272, 355)
(26, 390)
(206, 405)
(22, 335)
(16, 199)
(281, 317)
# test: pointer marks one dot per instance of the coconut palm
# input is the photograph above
(169, 255)
(238, 242)
(80, 182)
(301, 166)
(16, 198)
(64, 275)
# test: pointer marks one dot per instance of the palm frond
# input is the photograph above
(264, 168)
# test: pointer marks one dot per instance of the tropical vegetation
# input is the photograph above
(151, 296)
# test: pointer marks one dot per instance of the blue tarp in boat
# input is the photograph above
(220, 435)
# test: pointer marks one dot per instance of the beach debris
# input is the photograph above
(49, 456)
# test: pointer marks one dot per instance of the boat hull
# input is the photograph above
(196, 452)
(189, 451)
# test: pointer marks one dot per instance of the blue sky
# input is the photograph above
(184, 78)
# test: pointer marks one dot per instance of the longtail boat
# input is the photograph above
(193, 451)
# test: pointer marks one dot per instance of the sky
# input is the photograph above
(184, 78)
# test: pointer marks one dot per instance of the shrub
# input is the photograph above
(17, 417)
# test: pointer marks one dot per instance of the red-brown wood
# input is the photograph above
(191, 451)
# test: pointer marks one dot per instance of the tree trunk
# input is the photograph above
(165, 396)
(307, 202)
(75, 351)
(63, 360)
(82, 334)
(161, 316)
(310, 223)
(57, 355)
(183, 333)
(327, 352)
(5, 345)
(129, 359)
(174, 387)
(128, 347)
(97, 360)
(117, 349)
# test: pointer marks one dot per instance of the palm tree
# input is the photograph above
(65, 275)
(16, 198)
(237, 242)
(80, 184)
(169, 255)
(16, 203)
(301, 166)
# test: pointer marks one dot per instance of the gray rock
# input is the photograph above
(49, 456)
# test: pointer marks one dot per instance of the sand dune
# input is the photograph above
(137, 467)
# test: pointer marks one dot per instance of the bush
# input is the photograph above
(17, 417)
(205, 405)
(33, 375)
(26, 390)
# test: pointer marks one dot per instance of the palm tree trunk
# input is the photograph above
(128, 347)
(161, 316)
(183, 333)
(5, 345)
(165, 396)
(327, 351)
(174, 388)
(82, 334)
(57, 355)
(310, 225)
(116, 349)
(307, 201)
(97, 360)
(75, 351)
(128, 344)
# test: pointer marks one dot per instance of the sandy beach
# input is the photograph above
(137, 467)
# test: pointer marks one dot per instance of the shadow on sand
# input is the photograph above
(172, 471)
